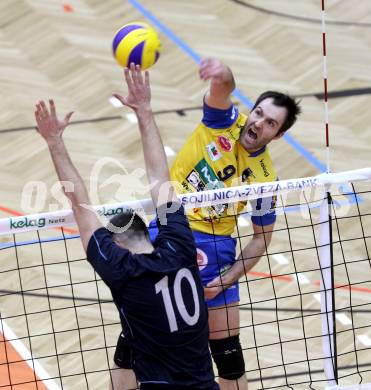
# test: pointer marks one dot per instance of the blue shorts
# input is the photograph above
(215, 255)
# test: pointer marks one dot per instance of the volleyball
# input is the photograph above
(136, 42)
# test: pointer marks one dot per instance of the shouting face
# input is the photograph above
(263, 125)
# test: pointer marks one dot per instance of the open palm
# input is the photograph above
(139, 91)
(48, 124)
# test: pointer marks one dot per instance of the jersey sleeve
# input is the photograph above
(174, 231)
(263, 211)
(216, 118)
(113, 263)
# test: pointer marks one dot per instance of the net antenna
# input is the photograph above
(326, 252)
(326, 256)
(325, 85)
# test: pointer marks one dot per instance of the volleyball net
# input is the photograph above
(304, 307)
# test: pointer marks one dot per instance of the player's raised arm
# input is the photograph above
(222, 82)
(139, 100)
(51, 129)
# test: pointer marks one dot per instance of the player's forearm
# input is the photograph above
(75, 191)
(249, 257)
(154, 154)
(221, 84)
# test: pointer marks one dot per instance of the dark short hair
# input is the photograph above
(282, 100)
(134, 224)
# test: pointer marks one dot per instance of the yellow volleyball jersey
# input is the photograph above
(257, 167)
(212, 158)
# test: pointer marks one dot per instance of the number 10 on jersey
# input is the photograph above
(163, 287)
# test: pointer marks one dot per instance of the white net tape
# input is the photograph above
(205, 198)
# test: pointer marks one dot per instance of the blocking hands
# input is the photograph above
(48, 125)
(139, 91)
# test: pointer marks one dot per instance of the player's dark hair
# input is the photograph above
(132, 223)
(282, 100)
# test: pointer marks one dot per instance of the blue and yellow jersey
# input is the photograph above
(212, 158)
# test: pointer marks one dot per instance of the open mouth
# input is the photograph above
(252, 134)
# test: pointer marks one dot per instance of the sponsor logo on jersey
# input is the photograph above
(202, 259)
(213, 151)
(195, 180)
(186, 186)
(211, 182)
(246, 174)
(207, 175)
(225, 143)
(233, 136)
(264, 167)
(240, 126)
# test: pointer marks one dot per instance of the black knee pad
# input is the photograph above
(123, 353)
(228, 357)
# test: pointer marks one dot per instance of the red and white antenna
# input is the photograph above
(325, 95)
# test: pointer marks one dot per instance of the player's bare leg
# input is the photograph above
(236, 384)
(122, 379)
(224, 322)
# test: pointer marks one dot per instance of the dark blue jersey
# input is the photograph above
(160, 299)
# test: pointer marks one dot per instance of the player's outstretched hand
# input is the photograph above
(48, 124)
(212, 68)
(139, 90)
